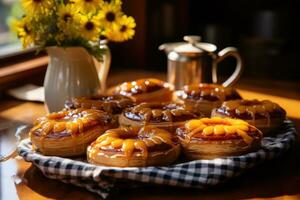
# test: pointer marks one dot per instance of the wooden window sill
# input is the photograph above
(13, 75)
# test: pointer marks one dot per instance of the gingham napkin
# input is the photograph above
(195, 174)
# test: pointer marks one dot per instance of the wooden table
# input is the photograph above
(278, 179)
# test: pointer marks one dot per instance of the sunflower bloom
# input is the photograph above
(88, 6)
(72, 23)
(90, 28)
(123, 31)
(37, 7)
(24, 31)
(109, 14)
(115, 2)
(68, 19)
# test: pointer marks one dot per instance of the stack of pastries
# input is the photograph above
(146, 123)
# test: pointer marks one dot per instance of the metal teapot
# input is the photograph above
(196, 62)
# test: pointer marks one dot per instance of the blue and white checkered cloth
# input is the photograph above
(196, 174)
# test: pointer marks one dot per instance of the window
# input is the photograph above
(9, 44)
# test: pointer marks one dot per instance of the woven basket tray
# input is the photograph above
(196, 174)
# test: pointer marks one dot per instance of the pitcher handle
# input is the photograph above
(103, 73)
(103, 68)
(224, 53)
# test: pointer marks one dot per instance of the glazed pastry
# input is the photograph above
(69, 132)
(162, 115)
(146, 90)
(134, 147)
(265, 115)
(113, 104)
(210, 138)
(202, 98)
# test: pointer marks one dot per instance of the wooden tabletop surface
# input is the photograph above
(278, 179)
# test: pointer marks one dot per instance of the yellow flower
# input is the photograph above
(33, 7)
(90, 28)
(13, 24)
(115, 2)
(123, 31)
(24, 32)
(109, 14)
(88, 6)
(68, 19)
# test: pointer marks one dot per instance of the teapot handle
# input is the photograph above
(224, 53)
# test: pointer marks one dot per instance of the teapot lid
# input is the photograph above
(192, 46)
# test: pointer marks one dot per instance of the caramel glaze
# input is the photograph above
(158, 112)
(128, 140)
(140, 86)
(251, 110)
(208, 92)
(216, 129)
(114, 104)
(69, 123)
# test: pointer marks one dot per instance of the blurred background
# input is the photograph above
(265, 32)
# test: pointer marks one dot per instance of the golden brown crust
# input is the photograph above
(202, 98)
(265, 115)
(170, 126)
(114, 104)
(201, 108)
(146, 90)
(210, 138)
(212, 149)
(67, 146)
(162, 115)
(134, 147)
(69, 132)
(160, 158)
